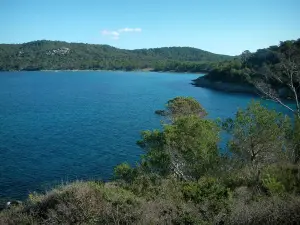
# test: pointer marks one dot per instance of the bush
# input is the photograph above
(96, 203)
(183, 106)
(267, 211)
(282, 177)
(273, 185)
(124, 172)
(78, 203)
(241, 176)
(209, 194)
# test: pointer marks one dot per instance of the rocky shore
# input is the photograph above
(224, 86)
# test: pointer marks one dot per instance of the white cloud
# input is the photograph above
(130, 30)
(116, 34)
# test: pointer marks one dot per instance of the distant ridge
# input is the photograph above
(59, 55)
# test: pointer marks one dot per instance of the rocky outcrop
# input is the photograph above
(224, 86)
(59, 51)
(229, 87)
(9, 204)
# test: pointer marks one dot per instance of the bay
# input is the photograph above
(56, 127)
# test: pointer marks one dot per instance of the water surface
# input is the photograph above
(60, 126)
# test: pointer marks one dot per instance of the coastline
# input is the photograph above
(235, 88)
(125, 71)
(225, 86)
(99, 70)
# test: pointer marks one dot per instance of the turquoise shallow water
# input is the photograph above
(61, 126)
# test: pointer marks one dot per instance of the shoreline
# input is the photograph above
(99, 70)
(226, 87)
(235, 88)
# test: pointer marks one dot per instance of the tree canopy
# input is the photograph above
(274, 72)
(182, 106)
(57, 55)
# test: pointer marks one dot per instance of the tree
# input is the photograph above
(156, 160)
(245, 56)
(186, 148)
(182, 106)
(191, 143)
(284, 74)
(259, 135)
(295, 148)
(187, 145)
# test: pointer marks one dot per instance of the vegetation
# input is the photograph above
(184, 178)
(182, 106)
(274, 72)
(56, 55)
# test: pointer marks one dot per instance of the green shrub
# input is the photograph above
(209, 192)
(284, 175)
(190, 219)
(124, 172)
(273, 185)
(239, 177)
(78, 203)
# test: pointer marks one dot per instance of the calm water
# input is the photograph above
(60, 126)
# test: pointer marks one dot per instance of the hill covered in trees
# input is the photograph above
(273, 73)
(272, 65)
(57, 55)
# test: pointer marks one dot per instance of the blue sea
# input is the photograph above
(56, 127)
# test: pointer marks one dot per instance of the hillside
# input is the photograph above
(57, 55)
(270, 65)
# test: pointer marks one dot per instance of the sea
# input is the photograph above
(57, 127)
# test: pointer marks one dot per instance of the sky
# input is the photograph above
(219, 26)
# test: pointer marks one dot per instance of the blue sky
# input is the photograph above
(220, 26)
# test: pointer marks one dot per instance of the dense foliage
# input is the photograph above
(56, 55)
(273, 73)
(249, 65)
(182, 106)
(184, 178)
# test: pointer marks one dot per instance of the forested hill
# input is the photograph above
(265, 63)
(57, 55)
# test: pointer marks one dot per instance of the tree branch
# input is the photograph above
(268, 93)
